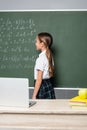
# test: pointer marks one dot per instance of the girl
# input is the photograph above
(44, 68)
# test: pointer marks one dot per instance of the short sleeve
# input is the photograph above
(40, 64)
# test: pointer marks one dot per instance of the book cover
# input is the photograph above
(77, 101)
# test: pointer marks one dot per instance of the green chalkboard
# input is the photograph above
(18, 31)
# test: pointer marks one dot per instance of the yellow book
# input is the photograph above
(77, 101)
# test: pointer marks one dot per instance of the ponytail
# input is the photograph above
(50, 60)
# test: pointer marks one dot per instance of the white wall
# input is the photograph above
(42, 4)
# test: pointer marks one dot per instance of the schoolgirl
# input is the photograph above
(44, 68)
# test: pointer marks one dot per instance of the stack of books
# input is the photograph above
(78, 102)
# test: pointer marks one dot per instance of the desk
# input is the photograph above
(44, 115)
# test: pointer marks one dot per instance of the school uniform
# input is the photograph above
(46, 90)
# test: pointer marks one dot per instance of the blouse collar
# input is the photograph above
(43, 52)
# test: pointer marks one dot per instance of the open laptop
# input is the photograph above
(14, 92)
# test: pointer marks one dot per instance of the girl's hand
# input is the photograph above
(33, 97)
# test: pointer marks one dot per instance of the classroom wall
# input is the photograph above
(60, 93)
(46, 5)
(42, 4)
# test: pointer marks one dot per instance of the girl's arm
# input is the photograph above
(37, 84)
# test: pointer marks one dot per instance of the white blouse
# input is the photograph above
(42, 64)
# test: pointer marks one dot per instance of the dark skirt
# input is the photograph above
(46, 90)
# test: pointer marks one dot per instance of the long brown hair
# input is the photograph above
(47, 39)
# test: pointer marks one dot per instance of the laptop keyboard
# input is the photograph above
(31, 103)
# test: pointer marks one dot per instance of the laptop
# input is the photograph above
(14, 92)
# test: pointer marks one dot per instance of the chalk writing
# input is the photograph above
(16, 37)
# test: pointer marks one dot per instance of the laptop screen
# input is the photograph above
(14, 92)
